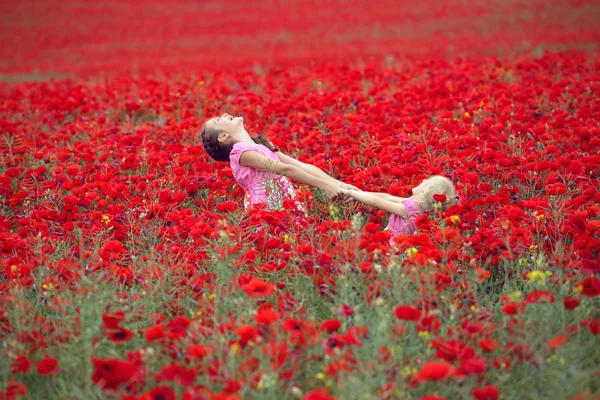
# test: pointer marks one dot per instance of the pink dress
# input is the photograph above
(261, 186)
(400, 226)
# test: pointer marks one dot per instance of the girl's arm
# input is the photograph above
(255, 160)
(311, 169)
(373, 200)
(387, 197)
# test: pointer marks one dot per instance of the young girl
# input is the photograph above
(405, 211)
(259, 167)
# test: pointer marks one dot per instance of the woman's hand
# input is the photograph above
(332, 190)
(347, 186)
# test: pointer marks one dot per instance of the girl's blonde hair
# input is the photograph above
(437, 184)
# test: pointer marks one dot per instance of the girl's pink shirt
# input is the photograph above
(400, 226)
(260, 186)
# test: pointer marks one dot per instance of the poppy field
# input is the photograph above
(129, 269)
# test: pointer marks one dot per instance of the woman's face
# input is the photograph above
(227, 123)
(419, 188)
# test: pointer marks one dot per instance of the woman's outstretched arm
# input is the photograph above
(388, 197)
(255, 160)
(312, 170)
(373, 200)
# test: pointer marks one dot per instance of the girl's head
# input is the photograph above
(219, 134)
(436, 185)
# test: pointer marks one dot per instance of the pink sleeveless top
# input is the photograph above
(261, 186)
(400, 226)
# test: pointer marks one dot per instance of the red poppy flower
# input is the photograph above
(488, 345)
(246, 333)
(422, 222)
(318, 394)
(345, 310)
(14, 390)
(501, 363)
(330, 326)
(557, 342)
(178, 327)
(556, 189)
(198, 351)
(176, 373)
(228, 206)
(111, 373)
(539, 296)
(593, 324)
(571, 303)
(433, 397)
(440, 197)
(159, 393)
(258, 288)
(590, 286)
(48, 366)
(472, 366)
(20, 364)
(407, 313)
(266, 316)
(155, 332)
(513, 308)
(118, 334)
(434, 371)
(489, 392)
(429, 323)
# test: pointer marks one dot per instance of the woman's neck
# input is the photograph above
(242, 137)
(420, 202)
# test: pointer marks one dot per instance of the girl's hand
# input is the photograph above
(346, 195)
(332, 190)
(347, 186)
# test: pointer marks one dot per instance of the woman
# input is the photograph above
(259, 167)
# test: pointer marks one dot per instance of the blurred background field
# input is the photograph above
(52, 39)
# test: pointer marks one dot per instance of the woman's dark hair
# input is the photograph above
(220, 151)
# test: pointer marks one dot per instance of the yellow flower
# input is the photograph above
(320, 376)
(515, 296)
(424, 335)
(533, 247)
(411, 251)
(467, 114)
(537, 277)
(540, 217)
(234, 349)
(334, 212)
(455, 219)
(554, 358)
(105, 219)
(266, 381)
